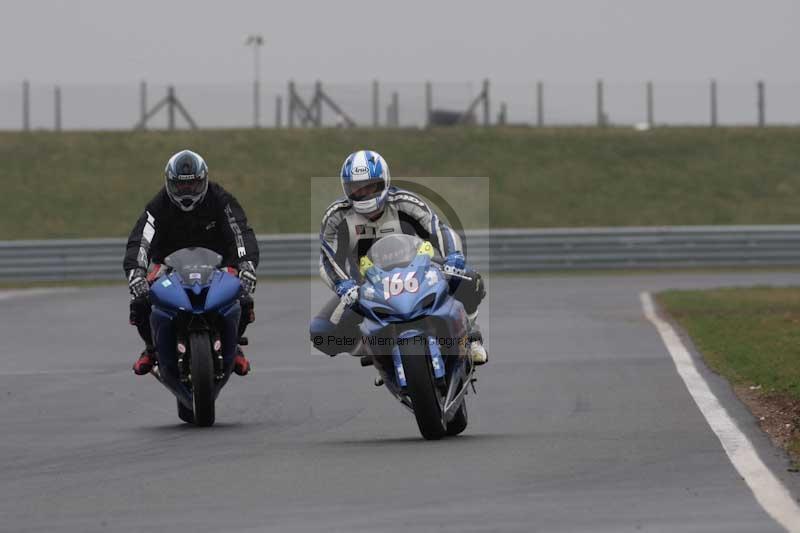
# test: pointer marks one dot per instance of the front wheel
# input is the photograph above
(422, 390)
(202, 368)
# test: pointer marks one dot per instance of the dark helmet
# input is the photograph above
(186, 179)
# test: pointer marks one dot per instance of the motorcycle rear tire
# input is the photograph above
(422, 389)
(202, 368)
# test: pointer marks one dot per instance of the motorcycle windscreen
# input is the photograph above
(394, 251)
(194, 265)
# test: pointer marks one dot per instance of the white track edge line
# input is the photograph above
(770, 493)
(22, 293)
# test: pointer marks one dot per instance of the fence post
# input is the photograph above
(375, 104)
(395, 110)
(26, 105)
(278, 111)
(57, 108)
(171, 108)
(713, 103)
(318, 100)
(539, 104)
(761, 104)
(486, 118)
(291, 104)
(601, 114)
(428, 102)
(650, 105)
(143, 103)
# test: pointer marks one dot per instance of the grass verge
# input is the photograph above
(751, 336)
(94, 184)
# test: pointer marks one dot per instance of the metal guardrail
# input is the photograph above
(506, 250)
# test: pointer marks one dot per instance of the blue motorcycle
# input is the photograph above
(415, 333)
(195, 321)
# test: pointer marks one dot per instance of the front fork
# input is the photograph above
(460, 379)
(435, 353)
(184, 365)
(172, 347)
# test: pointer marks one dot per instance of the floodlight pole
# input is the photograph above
(256, 41)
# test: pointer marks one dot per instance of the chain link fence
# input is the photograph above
(46, 106)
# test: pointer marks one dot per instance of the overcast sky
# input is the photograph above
(178, 41)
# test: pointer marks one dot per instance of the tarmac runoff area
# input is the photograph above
(592, 415)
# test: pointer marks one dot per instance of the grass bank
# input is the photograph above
(85, 184)
(752, 337)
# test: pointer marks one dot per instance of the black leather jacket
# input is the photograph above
(217, 223)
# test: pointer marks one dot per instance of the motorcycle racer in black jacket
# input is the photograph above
(189, 211)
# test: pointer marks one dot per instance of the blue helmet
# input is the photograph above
(365, 181)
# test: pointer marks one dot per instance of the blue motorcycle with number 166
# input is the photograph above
(195, 322)
(415, 333)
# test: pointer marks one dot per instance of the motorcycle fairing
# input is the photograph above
(223, 288)
(170, 296)
(169, 293)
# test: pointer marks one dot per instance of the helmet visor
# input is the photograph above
(359, 191)
(186, 186)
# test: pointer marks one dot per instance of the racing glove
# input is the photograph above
(137, 283)
(455, 263)
(347, 290)
(247, 277)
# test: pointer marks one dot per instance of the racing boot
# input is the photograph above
(240, 363)
(477, 351)
(146, 361)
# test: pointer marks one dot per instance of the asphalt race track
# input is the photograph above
(581, 424)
